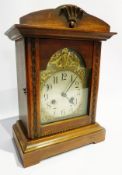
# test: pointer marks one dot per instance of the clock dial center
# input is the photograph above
(61, 96)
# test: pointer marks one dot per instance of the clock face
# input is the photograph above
(64, 87)
(62, 97)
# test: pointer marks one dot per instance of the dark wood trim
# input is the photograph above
(37, 99)
(35, 84)
(29, 86)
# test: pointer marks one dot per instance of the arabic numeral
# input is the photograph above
(64, 75)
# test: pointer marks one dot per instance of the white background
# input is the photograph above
(102, 158)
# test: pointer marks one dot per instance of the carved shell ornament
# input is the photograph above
(72, 13)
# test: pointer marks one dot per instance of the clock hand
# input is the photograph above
(69, 99)
(64, 94)
(69, 86)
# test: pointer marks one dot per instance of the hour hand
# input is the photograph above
(63, 94)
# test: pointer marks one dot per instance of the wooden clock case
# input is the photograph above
(37, 37)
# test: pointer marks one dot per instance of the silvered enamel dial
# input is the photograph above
(61, 96)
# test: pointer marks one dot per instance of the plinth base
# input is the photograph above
(32, 151)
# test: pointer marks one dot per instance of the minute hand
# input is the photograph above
(70, 85)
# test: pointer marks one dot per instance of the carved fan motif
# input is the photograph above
(72, 13)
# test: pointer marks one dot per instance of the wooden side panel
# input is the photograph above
(95, 79)
(32, 72)
(21, 80)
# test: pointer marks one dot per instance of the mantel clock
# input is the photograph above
(58, 61)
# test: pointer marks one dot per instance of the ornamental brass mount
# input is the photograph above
(72, 14)
(67, 59)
